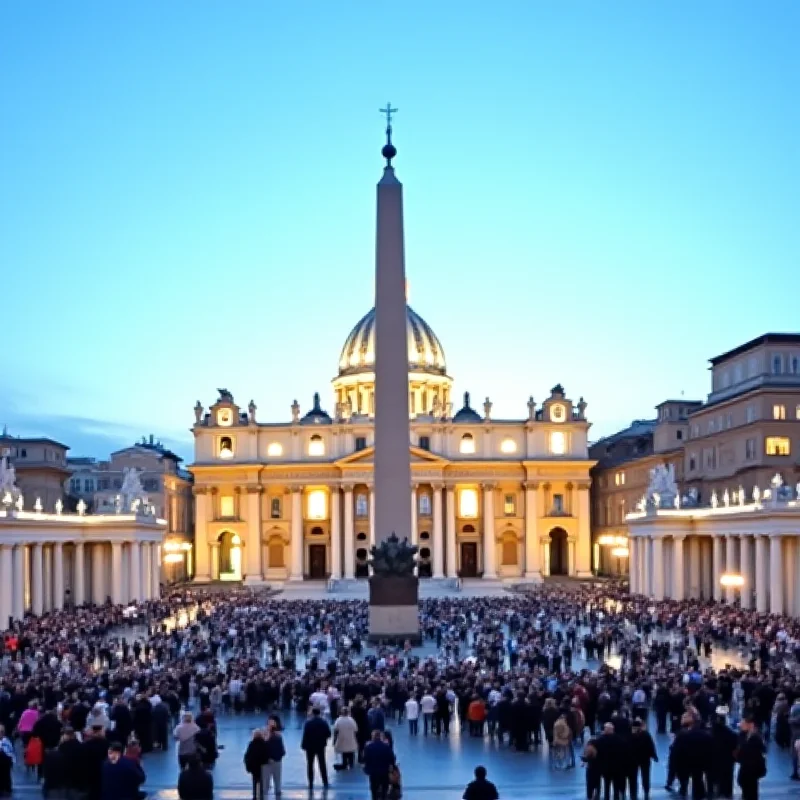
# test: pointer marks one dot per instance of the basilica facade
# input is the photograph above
(491, 498)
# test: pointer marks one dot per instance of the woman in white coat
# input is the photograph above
(345, 740)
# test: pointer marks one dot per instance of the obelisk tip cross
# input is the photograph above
(389, 150)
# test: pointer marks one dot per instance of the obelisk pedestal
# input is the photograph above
(393, 611)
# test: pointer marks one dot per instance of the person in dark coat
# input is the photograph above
(255, 757)
(120, 777)
(72, 755)
(750, 755)
(120, 715)
(94, 754)
(316, 733)
(691, 756)
(642, 752)
(161, 720)
(612, 761)
(195, 782)
(48, 729)
(480, 788)
(723, 749)
(378, 760)
(143, 723)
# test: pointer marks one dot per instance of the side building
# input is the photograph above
(41, 468)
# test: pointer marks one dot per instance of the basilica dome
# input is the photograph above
(425, 352)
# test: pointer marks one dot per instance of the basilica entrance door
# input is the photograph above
(316, 561)
(559, 554)
(469, 560)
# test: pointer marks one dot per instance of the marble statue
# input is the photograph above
(642, 504)
(582, 408)
(662, 485)
(37, 506)
(449, 414)
(741, 498)
(295, 411)
(348, 407)
(726, 498)
(777, 481)
(756, 494)
(251, 410)
(8, 480)
(714, 499)
(81, 507)
(59, 506)
(677, 501)
(797, 491)
(531, 408)
(131, 490)
(198, 412)
(690, 499)
(487, 410)
(20, 504)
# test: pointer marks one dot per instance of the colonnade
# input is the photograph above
(679, 566)
(44, 576)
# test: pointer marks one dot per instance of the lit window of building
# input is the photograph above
(558, 443)
(425, 505)
(362, 509)
(226, 447)
(777, 446)
(468, 503)
(508, 446)
(317, 504)
(316, 446)
(619, 479)
(778, 411)
(467, 445)
(226, 507)
(509, 505)
(275, 508)
(274, 449)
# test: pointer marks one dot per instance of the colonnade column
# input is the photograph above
(79, 575)
(583, 547)
(214, 548)
(155, 570)
(731, 565)
(349, 535)
(414, 508)
(489, 544)
(18, 598)
(372, 516)
(657, 568)
(678, 573)
(533, 566)
(762, 594)
(716, 570)
(452, 546)
(438, 532)
(253, 569)
(336, 534)
(776, 574)
(296, 573)
(146, 571)
(135, 580)
(746, 567)
(47, 574)
(633, 553)
(37, 579)
(58, 576)
(695, 585)
(116, 573)
(6, 585)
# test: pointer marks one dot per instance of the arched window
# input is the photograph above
(225, 447)
(468, 529)
(275, 508)
(316, 446)
(467, 445)
(361, 536)
(361, 554)
(425, 553)
(317, 531)
(424, 536)
(362, 509)
(274, 449)
(508, 446)
(795, 365)
(777, 365)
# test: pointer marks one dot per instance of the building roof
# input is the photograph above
(682, 401)
(467, 413)
(766, 338)
(639, 427)
(6, 439)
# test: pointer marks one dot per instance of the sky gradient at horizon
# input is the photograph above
(598, 195)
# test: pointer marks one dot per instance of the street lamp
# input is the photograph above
(731, 580)
(619, 553)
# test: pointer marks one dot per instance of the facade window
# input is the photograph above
(468, 503)
(274, 450)
(23, 453)
(679, 435)
(712, 425)
(103, 484)
(75, 485)
(226, 507)
(117, 483)
(778, 411)
(510, 505)
(619, 479)
(737, 373)
(777, 365)
(150, 484)
(692, 462)
(729, 420)
(695, 430)
(558, 504)
(88, 485)
(316, 446)
(508, 446)
(797, 412)
(425, 442)
(467, 445)
(750, 413)
(361, 443)
(750, 449)
(362, 509)
(425, 505)
(778, 446)
(711, 458)
(317, 504)
(275, 508)
(558, 443)
(795, 365)
(225, 447)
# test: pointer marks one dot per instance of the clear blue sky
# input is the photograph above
(598, 194)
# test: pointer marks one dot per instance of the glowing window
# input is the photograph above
(509, 505)
(226, 447)
(362, 509)
(467, 444)
(316, 447)
(274, 449)
(508, 446)
(317, 504)
(425, 505)
(468, 503)
(558, 443)
(778, 412)
(778, 446)
(236, 540)
(226, 506)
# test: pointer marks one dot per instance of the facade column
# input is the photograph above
(336, 534)
(633, 565)
(790, 596)
(695, 587)
(79, 575)
(58, 576)
(147, 565)
(657, 568)
(452, 546)
(297, 535)
(117, 597)
(18, 599)
(746, 567)
(6, 585)
(730, 566)
(438, 532)
(716, 570)
(678, 570)
(214, 548)
(533, 566)
(135, 580)
(583, 547)
(254, 569)
(414, 509)
(47, 575)
(155, 571)
(349, 535)
(762, 592)
(489, 544)
(372, 516)
(776, 574)
(202, 552)
(37, 579)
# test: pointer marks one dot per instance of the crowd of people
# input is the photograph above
(591, 673)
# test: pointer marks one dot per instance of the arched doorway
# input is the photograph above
(559, 553)
(230, 556)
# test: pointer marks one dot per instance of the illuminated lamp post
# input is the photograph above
(733, 581)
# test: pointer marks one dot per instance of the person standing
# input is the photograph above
(723, 747)
(378, 761)
(255, 757)
(412, 715)
(428, 707)
(316, 733)
(642, 753)
(750, 755)
(120, 777)
(6, 763)
(480, 788)
(195, 782)
(345, 739)
(185, 734)
(272, 771)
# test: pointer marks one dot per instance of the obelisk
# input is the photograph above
(393, 604)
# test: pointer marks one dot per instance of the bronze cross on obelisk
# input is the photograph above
(388, 111)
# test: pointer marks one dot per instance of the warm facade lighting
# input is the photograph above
(274, 449)
(508, 446)
(606, 540)
(468, 503)
(316, 446)
(620, 552)
(174, 558)
(317, 504)
(558, 443)
(731, 580)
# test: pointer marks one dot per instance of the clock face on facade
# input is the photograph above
(225, 417)
(557, 412)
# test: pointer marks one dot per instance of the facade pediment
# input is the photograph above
(367, 457)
